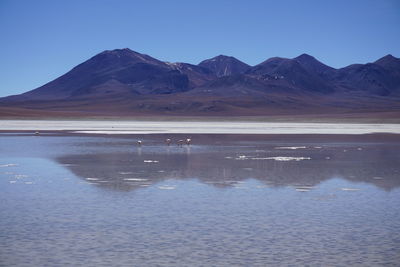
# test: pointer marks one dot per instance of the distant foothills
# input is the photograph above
(123, 82)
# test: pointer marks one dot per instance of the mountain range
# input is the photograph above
(125, 82)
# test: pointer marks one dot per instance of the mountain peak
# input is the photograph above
(222, 65)
(390, 56)
(118, 51)
(387, 58)
(223, 57)
(389, 62)
(311, 63)
(305, 57)
(125, 56)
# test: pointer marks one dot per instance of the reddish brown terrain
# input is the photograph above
(126, 83)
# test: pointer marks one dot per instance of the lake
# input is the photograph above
(224, 200)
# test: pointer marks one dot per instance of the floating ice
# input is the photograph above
(302, 189)
(135, 179)
(350, 189)
(8, 165)
(290, 147)
(283, 158)
(125, 172)
(13, 182)
(92, 179)
(166, 187)
(150, 161)
(28, 182)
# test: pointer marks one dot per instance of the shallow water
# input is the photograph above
(224, 200)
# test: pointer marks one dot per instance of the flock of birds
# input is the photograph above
(168, 141)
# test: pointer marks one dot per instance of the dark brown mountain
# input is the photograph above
(224, 66)
(119, 72)
(124, 82)
(381, 78)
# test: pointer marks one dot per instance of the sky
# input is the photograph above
(41, 40)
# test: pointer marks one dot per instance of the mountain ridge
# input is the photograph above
(130, 82)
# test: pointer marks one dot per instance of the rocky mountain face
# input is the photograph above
(130, 82)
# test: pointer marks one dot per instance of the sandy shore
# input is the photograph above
(195, 127)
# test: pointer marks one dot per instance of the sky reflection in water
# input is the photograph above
(224, 200)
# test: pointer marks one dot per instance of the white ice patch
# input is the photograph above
(349, 189)
(290, 147)
(92, 179)
(135, 179)
(302, 189)
(166, 187)
(283, 158)
(242, 157)
(150, 161)
(125, 172)
(13, 182)
(8, 165)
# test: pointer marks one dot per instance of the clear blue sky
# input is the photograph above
(41, 40)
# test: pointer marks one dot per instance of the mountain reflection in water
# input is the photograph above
(228, 162)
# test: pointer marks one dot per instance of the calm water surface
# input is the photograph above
(241, 200)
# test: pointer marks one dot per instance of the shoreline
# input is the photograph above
(104, 127)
